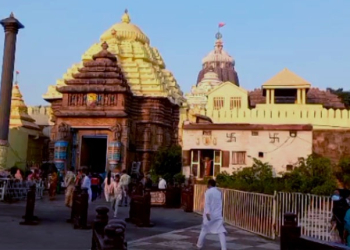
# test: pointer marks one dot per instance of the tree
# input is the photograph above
(312, 175)
(168, 162)
(343, 173)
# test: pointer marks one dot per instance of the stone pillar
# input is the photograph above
(268, 96)
(11, 26)
(272, 96)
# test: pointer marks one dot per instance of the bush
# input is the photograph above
(168, 161)
(179, 178)
(312, 175)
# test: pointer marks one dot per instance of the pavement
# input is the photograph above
(173, 230)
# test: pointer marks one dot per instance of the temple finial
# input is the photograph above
(126, 17)
(12, 15)
(104, 45)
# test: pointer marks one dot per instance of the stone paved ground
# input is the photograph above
(186, 239)
(173, 230)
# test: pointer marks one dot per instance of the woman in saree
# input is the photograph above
(53, 184)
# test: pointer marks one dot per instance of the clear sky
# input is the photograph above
(310, 37)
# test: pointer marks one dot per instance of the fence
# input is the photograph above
(263, 214)
(17, 190)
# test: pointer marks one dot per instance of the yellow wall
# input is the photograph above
(227, 90)
(314, 114)
(17, 152)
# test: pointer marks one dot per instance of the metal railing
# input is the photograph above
(17, 190)
(263, 214)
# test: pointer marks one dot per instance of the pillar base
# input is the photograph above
(3, 157)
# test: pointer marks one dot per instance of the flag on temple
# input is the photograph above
(17, 72)
(221, 25)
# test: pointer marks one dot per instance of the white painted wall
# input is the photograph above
(279, 154)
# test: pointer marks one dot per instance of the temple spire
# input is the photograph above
(126, 17)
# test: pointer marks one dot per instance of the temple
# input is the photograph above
(27, 141)
(118, 106)
(220, 62)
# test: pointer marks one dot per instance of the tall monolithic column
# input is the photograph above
(11, 26)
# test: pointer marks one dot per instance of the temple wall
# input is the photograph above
(333, 144)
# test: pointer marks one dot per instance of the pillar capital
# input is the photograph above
(11, 24)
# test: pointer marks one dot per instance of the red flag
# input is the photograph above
(17, 72)
(221, 25)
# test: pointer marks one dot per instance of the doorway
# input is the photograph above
(93, 153)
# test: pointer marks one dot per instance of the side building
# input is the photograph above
(225, 126)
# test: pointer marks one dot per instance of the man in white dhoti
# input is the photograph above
(213, 222)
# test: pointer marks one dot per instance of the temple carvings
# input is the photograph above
(97, 102)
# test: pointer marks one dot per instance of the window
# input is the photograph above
(235, 103)
(238, 158)
(218, 103)
(261, 155)
(290, 167)
(255, 133)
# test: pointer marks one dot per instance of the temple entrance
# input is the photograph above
(205, 162)
(93, 153)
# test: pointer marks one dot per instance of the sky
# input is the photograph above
(311, 38)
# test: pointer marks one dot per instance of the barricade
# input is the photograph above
(291, 238)
(187, 199)
(80, 208)
(107, 234)
(17, 190)
(29, 218)
(140, 210)
(173, 197)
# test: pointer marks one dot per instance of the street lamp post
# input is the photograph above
(11, 26)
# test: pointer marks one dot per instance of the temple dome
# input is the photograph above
(142, 65)
(125, 31)
(218, 55)
(219, 61)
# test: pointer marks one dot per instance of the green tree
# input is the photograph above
(312, 175)
(168, 162)
(343, 171)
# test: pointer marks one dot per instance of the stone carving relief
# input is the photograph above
(160, 136)
(117, 130)
(63, 131)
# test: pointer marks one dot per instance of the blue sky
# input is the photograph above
(311, 38)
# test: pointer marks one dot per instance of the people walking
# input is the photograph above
(118, 193)
(124, 182)
(69, 181)
(213, 222)
(53, 180)
(86, 183)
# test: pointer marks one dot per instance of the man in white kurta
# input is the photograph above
(213, 222)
